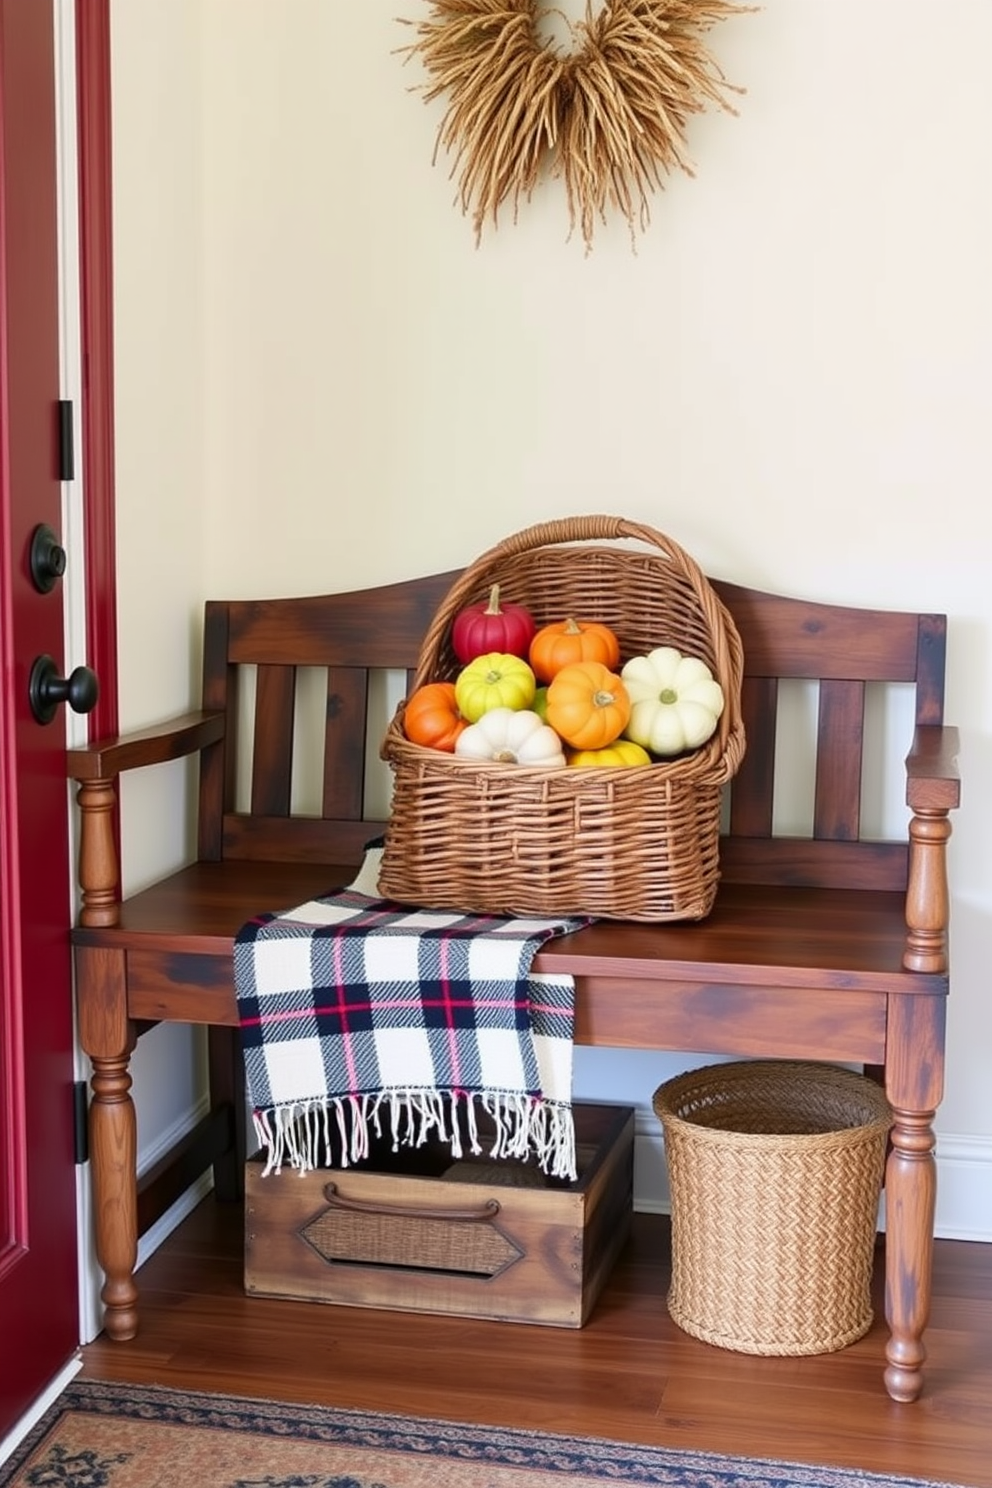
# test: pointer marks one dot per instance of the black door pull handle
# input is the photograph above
(47, 689)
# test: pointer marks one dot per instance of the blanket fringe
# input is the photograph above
(335, 1132)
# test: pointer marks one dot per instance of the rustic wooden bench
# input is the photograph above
(823, 944)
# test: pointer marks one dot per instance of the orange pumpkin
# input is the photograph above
(565, 642)
(588, 705)
(431, 717)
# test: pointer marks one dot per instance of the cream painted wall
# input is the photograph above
(160, 354)
(323, 382)
(159, 348)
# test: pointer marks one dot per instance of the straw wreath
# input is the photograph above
(608, 116)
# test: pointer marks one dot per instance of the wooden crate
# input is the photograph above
(416, 1232)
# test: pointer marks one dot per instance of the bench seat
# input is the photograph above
(844, 946)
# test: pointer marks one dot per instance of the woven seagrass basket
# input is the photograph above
(634, 843)
(775, 1170)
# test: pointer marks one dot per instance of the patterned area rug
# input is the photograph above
(113, 1436)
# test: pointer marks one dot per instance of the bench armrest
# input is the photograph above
(932, 779)
(105, 759)
(96, 767)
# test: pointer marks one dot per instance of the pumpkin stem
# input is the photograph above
(505, 757)
(492, 608)
(668, 695)
(571, 628)
(604, 699)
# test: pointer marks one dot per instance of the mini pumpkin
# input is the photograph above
(431, 716)
(496, 680)
(492, 626)
(587, 705)
(508, 736)
(675, 701)
(564, 642)
(622, 753)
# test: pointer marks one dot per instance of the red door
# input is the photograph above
(38, 1286)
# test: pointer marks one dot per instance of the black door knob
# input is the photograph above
(47, 558)
(47, 689)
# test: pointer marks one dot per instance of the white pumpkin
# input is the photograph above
(511, 736)
(675, 701)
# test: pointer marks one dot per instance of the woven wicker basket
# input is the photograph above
(775, 1170)
(635, 843)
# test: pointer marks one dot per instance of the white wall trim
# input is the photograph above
(964, 1184)
(964, 1188)
(187, 1202)
(30, 1418)
(91, 1277)
(964, 1181)
(163, 1228)
(70, 349)
(650, 1176)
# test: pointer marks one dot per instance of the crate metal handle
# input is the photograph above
(337, 1200)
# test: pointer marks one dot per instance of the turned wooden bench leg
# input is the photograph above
(113, 1156)
(108, 1037)
(914, 1077)
(910, 1201)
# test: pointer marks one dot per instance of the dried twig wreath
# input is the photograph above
(608, 116)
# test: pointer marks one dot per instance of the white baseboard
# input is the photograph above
(90, 1275)
(650, 1174)
(964, 1188)
(964, 1181)
(163, 1228)
(45, 1399)
(187, 1202)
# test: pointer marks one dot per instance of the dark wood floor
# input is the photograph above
(629, 1374)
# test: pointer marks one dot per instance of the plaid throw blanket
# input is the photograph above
(358, 1014)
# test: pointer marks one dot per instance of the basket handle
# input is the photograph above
(478, 1214)
(552, 534)
(597, 526)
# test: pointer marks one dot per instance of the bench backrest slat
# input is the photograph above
(752, 798)
(840, 746)
(272, 775)
(347, 704)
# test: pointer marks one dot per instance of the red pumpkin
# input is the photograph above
(483, 628)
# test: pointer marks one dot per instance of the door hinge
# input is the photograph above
(67, 443)
(81, 1122)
